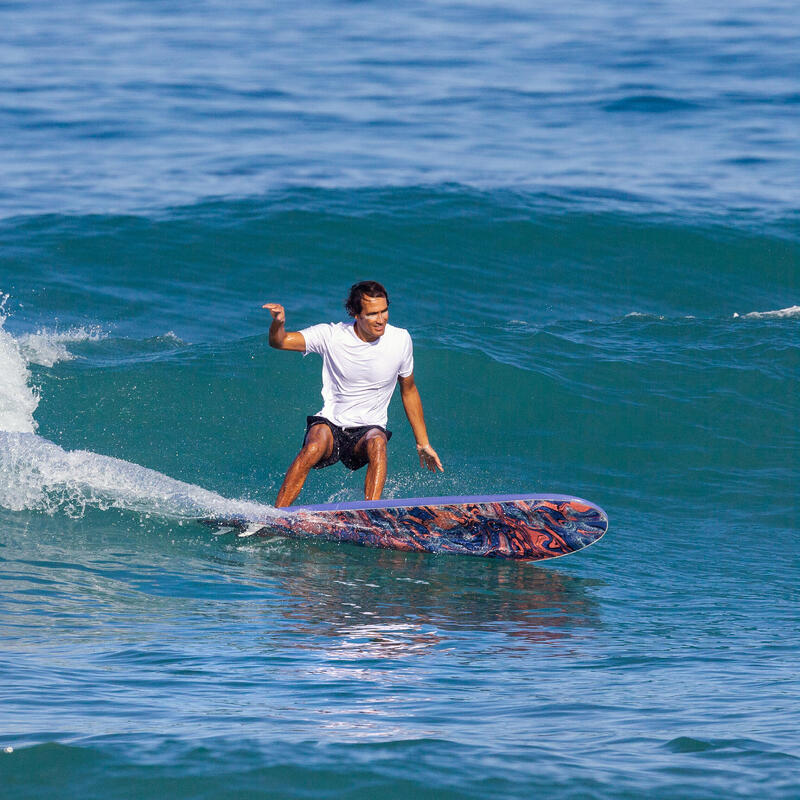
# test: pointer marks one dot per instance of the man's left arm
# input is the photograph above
(412, 403)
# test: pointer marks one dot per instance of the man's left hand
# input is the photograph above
(428, 458)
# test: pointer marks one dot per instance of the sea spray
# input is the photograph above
(37, 474)
(18, 400)
(47, 348)
(791, 312)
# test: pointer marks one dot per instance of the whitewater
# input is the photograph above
(38, 474)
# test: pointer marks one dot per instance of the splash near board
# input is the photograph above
(521, 527)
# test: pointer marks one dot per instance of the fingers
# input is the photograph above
(435, 464)
(276, 309)
(428, 458)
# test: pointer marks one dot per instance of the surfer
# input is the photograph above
(361, 362)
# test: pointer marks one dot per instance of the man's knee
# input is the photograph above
(318, 444)
(312, 451)
(376, 446)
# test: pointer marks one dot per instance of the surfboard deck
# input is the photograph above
(528, 527)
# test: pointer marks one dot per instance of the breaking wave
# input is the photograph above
(37, 474)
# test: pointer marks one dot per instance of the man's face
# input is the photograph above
(371, 322)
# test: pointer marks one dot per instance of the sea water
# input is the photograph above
(588, 217)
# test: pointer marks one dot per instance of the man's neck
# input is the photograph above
(361, 335)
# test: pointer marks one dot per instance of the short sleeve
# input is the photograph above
(317, 337)
(407, 359)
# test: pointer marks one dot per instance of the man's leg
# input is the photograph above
(318, 445)
(373, 445)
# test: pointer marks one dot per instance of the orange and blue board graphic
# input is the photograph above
(522, 527)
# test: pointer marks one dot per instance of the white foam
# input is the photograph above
(781, 313)
(642, 315)
(47, 348)
(36, 474)
(18, 400)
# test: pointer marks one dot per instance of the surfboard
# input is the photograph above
(529, 527)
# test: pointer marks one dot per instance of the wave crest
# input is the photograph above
(18, 399)
(781, 313)
(38, 475)
(47, 348)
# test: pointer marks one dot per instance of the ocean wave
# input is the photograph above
(781, 313)
(46, 348)
(36, 474)
(651, 104)
(18, 399)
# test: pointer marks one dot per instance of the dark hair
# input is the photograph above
(360, 290)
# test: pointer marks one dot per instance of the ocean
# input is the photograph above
(587, 216)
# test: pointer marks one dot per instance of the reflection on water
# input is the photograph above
(392, 644)
(283, 638)
(392, 605)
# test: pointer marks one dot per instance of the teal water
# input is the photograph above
(594, 241)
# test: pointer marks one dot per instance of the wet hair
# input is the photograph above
(360, 290)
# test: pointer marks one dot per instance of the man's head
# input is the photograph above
(368, 304)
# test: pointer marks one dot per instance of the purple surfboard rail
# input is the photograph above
(523, 527)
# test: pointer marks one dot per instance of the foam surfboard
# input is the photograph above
(524, 527)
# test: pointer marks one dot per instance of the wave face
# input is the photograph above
(645, 361)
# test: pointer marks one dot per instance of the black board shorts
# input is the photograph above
(344, 443)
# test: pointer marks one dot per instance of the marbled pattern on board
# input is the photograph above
(521, 529)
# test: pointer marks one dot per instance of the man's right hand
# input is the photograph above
(278, 337)
(277, 310)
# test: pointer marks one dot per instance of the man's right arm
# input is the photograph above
(279, 337)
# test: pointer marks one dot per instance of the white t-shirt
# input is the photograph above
(358, 377)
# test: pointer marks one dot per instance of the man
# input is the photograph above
(361, 362)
